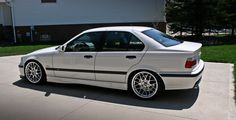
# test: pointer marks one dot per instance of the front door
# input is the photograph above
(120, 51)
(78, 59)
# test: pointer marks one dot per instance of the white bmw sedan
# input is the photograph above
(141, 59)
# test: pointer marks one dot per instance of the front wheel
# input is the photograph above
(144, 85)
(34, 73)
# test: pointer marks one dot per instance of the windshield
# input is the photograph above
(162, 38)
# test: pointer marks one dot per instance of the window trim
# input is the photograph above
(79, 37)
(105, 35)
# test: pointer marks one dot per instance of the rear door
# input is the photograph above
(120, 51)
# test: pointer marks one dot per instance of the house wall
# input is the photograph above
(33, 12)
(62, 20)
(62, 33)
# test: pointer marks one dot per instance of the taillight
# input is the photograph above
(190, 62)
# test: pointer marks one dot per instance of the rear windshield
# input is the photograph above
(162, 38)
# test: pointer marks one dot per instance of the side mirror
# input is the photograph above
(61, 48)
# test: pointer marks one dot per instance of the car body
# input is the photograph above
(120, 58)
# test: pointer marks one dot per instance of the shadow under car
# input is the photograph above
(173, 99)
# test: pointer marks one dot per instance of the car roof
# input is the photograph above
(120, 28)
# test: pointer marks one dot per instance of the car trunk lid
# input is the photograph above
(194, 50)
(187, 47)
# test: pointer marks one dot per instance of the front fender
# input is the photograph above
(45, 61)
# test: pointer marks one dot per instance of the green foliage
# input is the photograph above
(19, 50)
(197, 16)
(223, 53)
(231, 14)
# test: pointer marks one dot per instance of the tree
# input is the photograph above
(175, 13)
(197, 16)
(231, 14)
(187, 15)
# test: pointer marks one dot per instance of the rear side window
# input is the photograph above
(115, 41)
(135, 44)
(121, 41)
(162, 38)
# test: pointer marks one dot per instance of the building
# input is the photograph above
(44, 20)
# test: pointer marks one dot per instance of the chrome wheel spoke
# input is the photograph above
(33, 72)
(144, 84)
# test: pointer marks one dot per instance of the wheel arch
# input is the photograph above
(154, 72)
(37, 61)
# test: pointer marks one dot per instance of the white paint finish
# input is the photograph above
(111, 77)
(44, 56)
(33, 12)
(166, 62)
(162, 60)
(195, 47)
(74, 60)
(173, 83)
(44, 50)
(120, 28)
(115, 61)
(120, 86)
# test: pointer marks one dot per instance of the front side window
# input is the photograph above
(162, 38)
(121, 41)
(85, 42)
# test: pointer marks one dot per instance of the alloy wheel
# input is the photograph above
(144, 84)
(33, 72)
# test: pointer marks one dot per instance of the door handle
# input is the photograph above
(130, 57)
(88, 56)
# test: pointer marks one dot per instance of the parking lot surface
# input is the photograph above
(20, 100)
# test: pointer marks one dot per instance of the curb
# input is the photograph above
(232, 105)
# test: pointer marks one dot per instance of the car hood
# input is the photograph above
(43, 51)
(187, 47)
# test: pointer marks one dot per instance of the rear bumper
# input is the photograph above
(183, 80)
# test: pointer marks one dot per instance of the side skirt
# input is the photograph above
(113, 85)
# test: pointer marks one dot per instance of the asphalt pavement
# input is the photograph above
(20, 100)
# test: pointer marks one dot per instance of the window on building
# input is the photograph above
(48, 1)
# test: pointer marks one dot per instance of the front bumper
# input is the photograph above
(21, 69)
(183, 80)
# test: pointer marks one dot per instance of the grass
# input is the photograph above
(19, 50)
(222, 53)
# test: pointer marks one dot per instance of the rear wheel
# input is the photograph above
(145, 85)
(34, 72)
